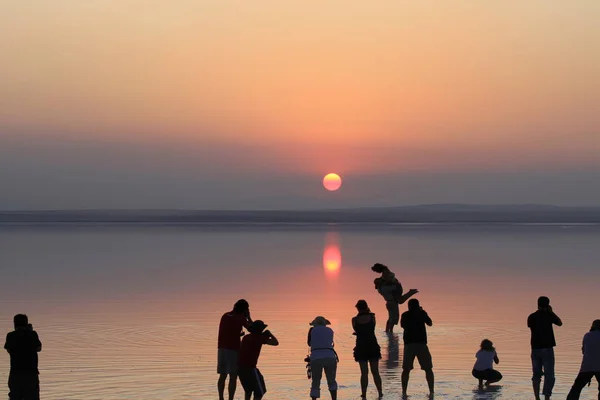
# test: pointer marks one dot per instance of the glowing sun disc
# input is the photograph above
(332, 182)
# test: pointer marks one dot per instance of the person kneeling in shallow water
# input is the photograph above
(483, 369)
(391, 290)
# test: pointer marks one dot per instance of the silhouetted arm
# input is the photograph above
(271, 339)
(39, 344)
(354, 324)
(309, 332)
(529, 322)
(496, 359)
(426, 319)
(8, 345)
(403, 321)
(556, 320)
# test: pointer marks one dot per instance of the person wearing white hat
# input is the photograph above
(322, 357)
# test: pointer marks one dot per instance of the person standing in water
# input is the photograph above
(23, 345)
(542, 347)
(415, 344)
(230, 331)
(367, 351)
(250, 376)
(322, 357)
(391, 290)
(590, 366)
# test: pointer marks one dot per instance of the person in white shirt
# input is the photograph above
(484, 365)
(590, 366)
(322, 357)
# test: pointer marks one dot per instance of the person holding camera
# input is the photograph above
(230, 331)
(322, 357)
(250, 376)
(590, 366)
(542, 346)
(415, 344)
(23, 345)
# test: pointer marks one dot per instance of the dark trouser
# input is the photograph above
(24, 386)
(582, 379)
(491, 375)
(542, 361)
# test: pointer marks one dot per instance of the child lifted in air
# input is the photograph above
(388, 278)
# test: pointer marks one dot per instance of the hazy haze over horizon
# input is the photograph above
(231, 105)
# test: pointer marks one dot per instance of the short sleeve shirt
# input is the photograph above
(250, 349)
(230, 330)
(23, 346)
(542, 333)
(485, 360)
(413, 322)
(591, 352)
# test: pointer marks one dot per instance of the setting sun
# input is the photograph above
(332, 182)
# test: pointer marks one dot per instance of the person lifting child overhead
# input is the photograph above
(391, 290)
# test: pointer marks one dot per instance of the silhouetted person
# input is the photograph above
(322, 357)
(391, 290)
(367, 351)
(230, 331)
(483, 370)
(590, 366)
(542, 346)
(23, 345)
(415, 344)
(250, 376)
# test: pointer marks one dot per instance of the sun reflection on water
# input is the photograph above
(332, 256)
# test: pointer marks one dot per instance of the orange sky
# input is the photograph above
(352, 87)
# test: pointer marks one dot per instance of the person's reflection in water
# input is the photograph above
(332, 256)
(488, 393)
(393, 351)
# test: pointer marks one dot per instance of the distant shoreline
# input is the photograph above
(408, 215)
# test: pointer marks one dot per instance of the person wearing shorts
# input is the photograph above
(230, 331)
(413, 322)
(250, 376)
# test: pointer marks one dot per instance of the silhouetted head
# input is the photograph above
(543, 302)
(21, 321)
(241, 307)
(413, 304)
(362, 306)
(487, 345)
(257, 326)
(595, 325)
(379, 268)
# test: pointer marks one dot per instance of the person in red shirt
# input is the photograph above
(250, 376)
(230, 331)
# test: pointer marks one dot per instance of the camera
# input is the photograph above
(308, 369)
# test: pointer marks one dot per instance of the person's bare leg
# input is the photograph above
(221, 386)
(405, 376)
(376, 377)
(407, 296)
(430, 380)
(232, 386)
(364, 378)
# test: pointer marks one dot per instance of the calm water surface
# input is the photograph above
(133, 313)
